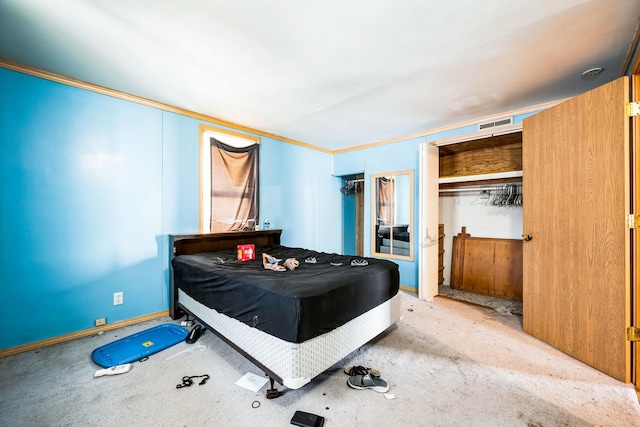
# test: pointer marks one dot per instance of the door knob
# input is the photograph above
(527, 237)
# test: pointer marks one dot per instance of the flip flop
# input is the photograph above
(363, 382)
(271, 263)
(361, 370)
(291, 263)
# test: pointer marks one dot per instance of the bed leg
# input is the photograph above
(272, 392)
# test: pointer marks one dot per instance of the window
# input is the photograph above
(229, 180)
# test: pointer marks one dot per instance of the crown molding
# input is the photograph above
(46, 75)
(169, 108)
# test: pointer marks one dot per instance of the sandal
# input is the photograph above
(291, 263)
(361, 370)
(271, 263)
(362, 382)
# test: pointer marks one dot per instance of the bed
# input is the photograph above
(292, 324)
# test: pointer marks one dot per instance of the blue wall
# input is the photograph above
(93, 185)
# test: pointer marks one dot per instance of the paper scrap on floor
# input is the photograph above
(200, 346)
(252, 382)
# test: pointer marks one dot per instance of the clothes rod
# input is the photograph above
(459, 190)
(481, 188)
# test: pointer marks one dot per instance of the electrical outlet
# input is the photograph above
(118, 298)
(101, 321)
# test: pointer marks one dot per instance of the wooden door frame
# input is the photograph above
(634, 132)
(360, 217)
(633, 63)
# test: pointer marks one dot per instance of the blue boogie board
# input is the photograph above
(139, 345)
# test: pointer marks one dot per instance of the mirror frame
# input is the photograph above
(374, 222)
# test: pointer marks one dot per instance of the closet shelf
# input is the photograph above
(480, 177)
(488, 179)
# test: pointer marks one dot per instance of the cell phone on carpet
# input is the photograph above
(305, 419)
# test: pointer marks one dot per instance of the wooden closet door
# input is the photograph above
(576, 192)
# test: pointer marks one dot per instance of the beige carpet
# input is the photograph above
(501, 305)
(448, 364)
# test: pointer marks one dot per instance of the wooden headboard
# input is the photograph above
(189, 244)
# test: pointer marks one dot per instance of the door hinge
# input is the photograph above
(633, 333)
(632, 221)
(632, 109)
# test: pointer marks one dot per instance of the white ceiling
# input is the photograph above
(331, 73)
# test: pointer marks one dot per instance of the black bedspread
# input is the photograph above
(292, 305)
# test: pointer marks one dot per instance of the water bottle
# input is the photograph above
(267, 224)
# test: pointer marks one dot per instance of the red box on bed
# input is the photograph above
(246, 252)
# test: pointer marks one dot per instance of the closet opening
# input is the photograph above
(480, 214)
(353, 214)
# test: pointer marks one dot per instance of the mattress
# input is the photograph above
(296, 305)
(298, 363)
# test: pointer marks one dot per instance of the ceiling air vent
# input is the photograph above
(495, 124)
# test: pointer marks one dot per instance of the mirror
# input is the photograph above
(392, 224)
